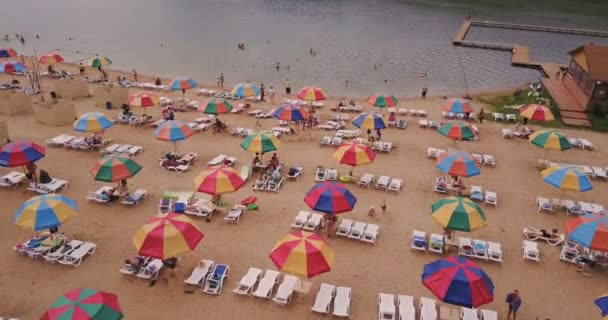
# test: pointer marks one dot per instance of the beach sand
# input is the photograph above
(549, 289)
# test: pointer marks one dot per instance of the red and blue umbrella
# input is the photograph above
(458, 163)
(10, 67)
(7, 53)
(458, 281)
(602, 303)
(290, 112)
(457, 105)
(182, 83)
(85, 304)
(330, 197)
(173, 130)
(590, 230)
(20, 153)
(383, 100)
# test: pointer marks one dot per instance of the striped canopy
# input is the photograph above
(10, 67)
(567, 178)
(20, 153)
(290, 112)
(143, 99)
(7, 53)
(182, 83)
(311, 94)
(457, 105)
(218, 180)
(458, 281)
(330, 197)
(457, 213)
(98, 61)
(92, 122)
(50, 58)
(458, 163)
(260, 142)
(550, 140)
(114, 168)
(354, 154)
(590, 230)
(536, 112)
(302, 254)
(45, 211)
(245, 89)
(173, 130)
(370, 120)
(602, 303)
(383, 100)
(85, 304)
(457, 130)
(166, 236)
(217, 106)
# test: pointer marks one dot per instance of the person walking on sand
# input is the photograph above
(514, 302)
(425, 89)
(81, 69)
(135, 75)
(220, 80)
(262, 92)
(271, 94)
(371, 212)
(287, 87)
(383, 206)
(482, 114)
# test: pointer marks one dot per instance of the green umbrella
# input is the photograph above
(457, 213)
(550, 140)
(260, 142)
(457, 130)
(217, 106)
(114, 168)
(85, 304)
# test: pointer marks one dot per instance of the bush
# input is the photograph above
(597, 110)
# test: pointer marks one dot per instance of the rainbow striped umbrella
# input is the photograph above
(182, 83)
(567, 178)
(330, 197)
(457, 130)
(590, 230)
(166, 236)
(217, 106)
(218, 180)
(457, 213)
(50, 58)
(20, 153)
(7, 53)
(245, 89)
(98, 62)
(143, 99)
(114, 168)
(85, 304)
(602, 303)
(457, 105)
(45, 211)
(458, 163)
(311, 94)
(550, 140)
(173, 130)
(537, 112)
(370, 120)
(302, 254)
(92, 122)
(290, 112)
(11, 67)
(354, 154)
(383, 100)
(260, 142)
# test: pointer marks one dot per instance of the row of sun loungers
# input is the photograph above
(428, 124)
(581, 143)
(572, 207)
(348, 108)
(132, 199)
(382, 183)
(143, 85)
(509, 134)
(126, 149)
(534, 234)
(67, 253)
(326, 174)
(383, 146)
(134, 120)
(307, 221)
(435, 243)
(405, 310)
(72, 142)
(332, 125)
(149, 270)
(592, 171)
(269, 184)
(357, 230)
(483, 159)
(339, 297)
(571, 252)
(54, 186)
(477, 193)
(504, 117)
(458, 116)
(12, 179)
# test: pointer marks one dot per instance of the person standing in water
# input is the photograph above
(262, 92)
(425, 89)
(287, 86)
(220, 80)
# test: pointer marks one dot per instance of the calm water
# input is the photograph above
(406, 37)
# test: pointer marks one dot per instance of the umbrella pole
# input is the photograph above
(546, 151)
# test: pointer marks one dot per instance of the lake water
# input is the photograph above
(406, 37)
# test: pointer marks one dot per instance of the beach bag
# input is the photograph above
(252, 206)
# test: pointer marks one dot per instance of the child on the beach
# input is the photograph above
(371, 212)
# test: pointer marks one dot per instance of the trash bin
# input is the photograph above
(109, 105)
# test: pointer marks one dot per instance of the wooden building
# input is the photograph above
(587, 77)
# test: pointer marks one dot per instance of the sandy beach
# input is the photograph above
(550, 289)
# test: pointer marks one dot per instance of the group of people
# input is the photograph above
(43, 177)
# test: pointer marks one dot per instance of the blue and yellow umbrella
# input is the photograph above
(92, 122)
(45, 211)
(458, 163)
(602, 303)
(370, 120)
(246, 89)
(567, 178)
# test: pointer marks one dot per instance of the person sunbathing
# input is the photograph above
(135, 263)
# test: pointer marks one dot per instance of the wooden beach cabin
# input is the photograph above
(587, 76)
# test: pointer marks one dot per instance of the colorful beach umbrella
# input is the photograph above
(458, 281)
(537, 112)
(457, 130)
(114, 168)
(20, 153)
(354, 154)
(302, 254)
(260, 142)
(550, 140)
(182, 83)
(92, 122)
(330, 197)
(50, 58)
(11, 67)
(45, 211)
(590, 230)
(602, 303)
(217, 106)
(85, 304)
(458, 163)
(218, 180)
(143, 99)
(173, 130)
(166, 236)
(7, 53)
(458, 213)
(383, 100)
(370, 120)
(290, 112)
(457, 105)
(245, 89)
(311, 94)
(98, 61)
(567, 178)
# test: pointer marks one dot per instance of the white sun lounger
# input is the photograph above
(468, 314)
(586, 144)
(199, 273)
(356, 232)
(383, 182)
(325, 141)
(59, 140)
(332, 174)
(491, 198)
(465, 247)
(321, 175)
(407, 311)
(299, 221)
(418, 240)
(386, 307)
(64, 250)
(215, 280)
(285, 290)
(248, 281)
(494, 251)
(488, 314)
(75, 257)
(428, 309)
(217, 160)
(366, 180)
(135, 198)
(371, 233)
(12, 179)
(234, 215)
(480, 249)
(395, 185)
(266, 285)
(436, 243)
(51, 187)
(345, 227)
(342, 302)
(313, 222)
(506, 133)
(296, 173)
(531, 251)
(151, 270)
(324, 298)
